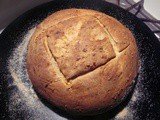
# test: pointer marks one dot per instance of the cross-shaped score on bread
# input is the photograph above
(78, 53)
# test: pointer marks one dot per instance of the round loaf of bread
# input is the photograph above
(82, 61)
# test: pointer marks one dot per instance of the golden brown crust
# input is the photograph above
(82, 60)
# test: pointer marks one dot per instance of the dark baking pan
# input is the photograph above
(18, 100)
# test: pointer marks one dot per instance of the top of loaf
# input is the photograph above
(82, 40)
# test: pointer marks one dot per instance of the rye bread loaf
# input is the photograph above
(82, 61)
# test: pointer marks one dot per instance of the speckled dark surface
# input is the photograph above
(18, 100)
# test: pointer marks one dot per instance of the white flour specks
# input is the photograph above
(23, 100)
(16, 66)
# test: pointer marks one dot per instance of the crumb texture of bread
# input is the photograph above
(82, 60)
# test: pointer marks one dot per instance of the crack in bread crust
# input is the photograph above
(54, 62)
(110, 36)
(88, 72)
(74, 77)
(113, 42)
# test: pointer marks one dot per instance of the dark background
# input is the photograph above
(11, 9)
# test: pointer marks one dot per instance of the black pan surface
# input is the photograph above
(18, 100)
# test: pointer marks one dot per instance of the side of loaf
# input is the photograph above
(83, 61)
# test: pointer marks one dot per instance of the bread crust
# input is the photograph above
(83, 61)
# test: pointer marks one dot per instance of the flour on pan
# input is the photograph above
(16, 67)
(22, 97)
